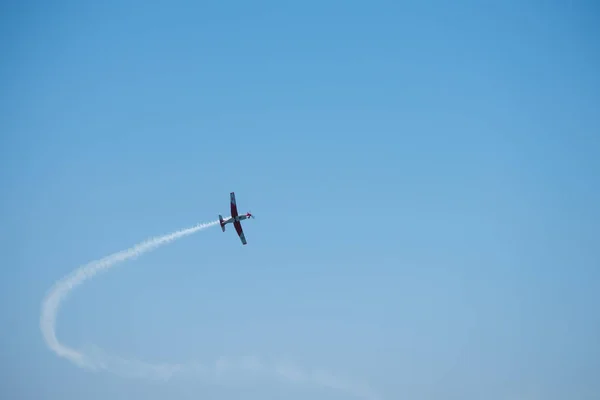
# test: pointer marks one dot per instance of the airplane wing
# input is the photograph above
(234, 211)
(240, 232)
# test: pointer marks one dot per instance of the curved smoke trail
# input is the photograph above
(62, 288)
(95, 358)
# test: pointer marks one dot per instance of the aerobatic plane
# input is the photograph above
(235, 219)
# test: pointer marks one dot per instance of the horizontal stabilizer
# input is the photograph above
(221, 222)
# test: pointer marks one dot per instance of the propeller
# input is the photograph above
(249, 214)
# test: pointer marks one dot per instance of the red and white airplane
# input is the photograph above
(235, 219)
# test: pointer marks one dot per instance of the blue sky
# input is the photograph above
(424, 177)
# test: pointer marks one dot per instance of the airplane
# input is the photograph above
(235, 219)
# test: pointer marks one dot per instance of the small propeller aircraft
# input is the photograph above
(235, 219)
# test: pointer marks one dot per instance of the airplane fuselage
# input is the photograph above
(229, 220)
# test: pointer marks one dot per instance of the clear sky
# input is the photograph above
(425, 178)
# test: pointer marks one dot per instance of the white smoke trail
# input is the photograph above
(96, 359)
(60, 290)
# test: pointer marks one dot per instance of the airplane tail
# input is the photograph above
(221, 222)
